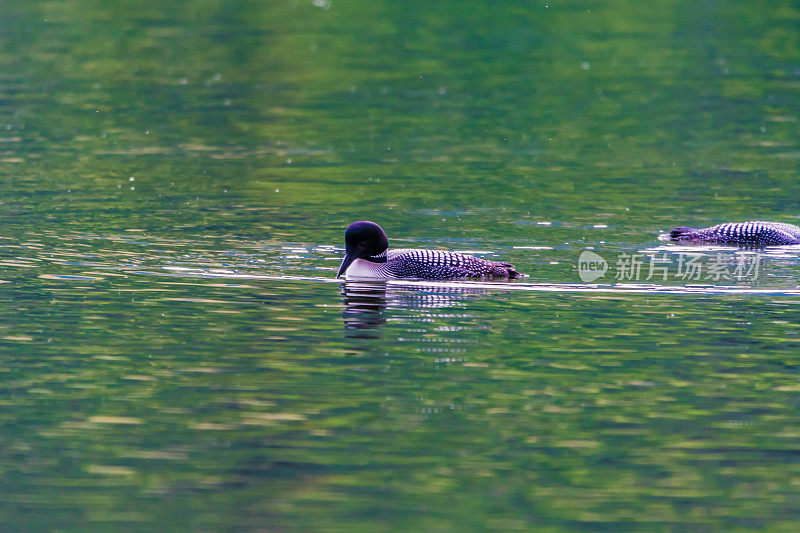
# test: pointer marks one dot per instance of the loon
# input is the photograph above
(367, 255)
(747, 234)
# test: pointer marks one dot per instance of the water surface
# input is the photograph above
(177, 178)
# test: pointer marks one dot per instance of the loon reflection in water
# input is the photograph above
(366, 304)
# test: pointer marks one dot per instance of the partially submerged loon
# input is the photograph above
(367, 255)
(750, 234)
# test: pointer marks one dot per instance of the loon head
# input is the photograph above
(365, 240)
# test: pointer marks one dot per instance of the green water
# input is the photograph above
(176, 179)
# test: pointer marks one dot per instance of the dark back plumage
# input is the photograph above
(748, 234)
(441, 264)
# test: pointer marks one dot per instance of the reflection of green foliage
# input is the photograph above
(449, 107)
(488, 410)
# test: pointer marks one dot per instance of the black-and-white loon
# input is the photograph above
(749, 234)
(367, 256)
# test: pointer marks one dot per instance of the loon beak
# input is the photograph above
(348, 258)
(351, 253)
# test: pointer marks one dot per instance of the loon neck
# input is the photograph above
(380, 258)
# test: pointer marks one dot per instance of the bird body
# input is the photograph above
(747, 234)
(369, 257)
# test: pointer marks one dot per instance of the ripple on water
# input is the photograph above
(69, 277)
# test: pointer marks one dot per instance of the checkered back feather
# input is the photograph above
(756, 233)
(440, 264)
